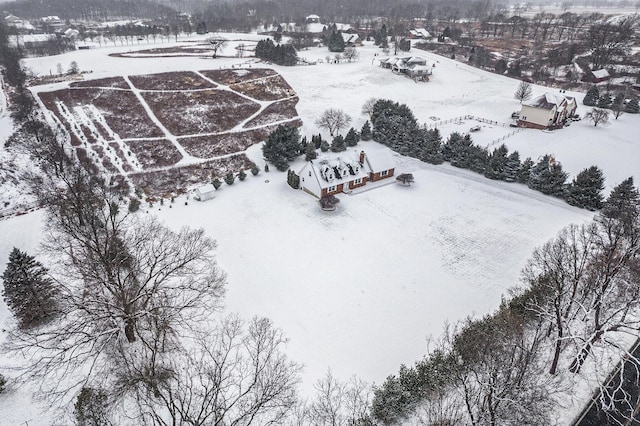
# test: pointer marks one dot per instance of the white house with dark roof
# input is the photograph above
(548, 111)
(344, 172)
(412, 66)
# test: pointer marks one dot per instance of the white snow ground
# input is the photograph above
(360, 289)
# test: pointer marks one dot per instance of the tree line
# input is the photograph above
(577, 304)
(394, 125)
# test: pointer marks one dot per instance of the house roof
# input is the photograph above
(350, 38)
(600, 73)
(206, 189)
(335, 168)
(379, 161)
(548, 101)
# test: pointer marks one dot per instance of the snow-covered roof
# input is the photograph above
(350, 38)
(600, 73)
(315, 27)
(315, 17)
(420, 32)
(416, 60)
(548, 101)
(379, 161)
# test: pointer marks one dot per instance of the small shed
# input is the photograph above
(205, 192)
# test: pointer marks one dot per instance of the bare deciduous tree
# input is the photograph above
(337, 403)
(523, 92)
(231, 376)
(217, 43)
(598, 116)
(333, 120)
(351, 53)
(122, 282)
(367, 107)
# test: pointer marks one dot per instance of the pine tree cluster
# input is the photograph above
(280, 54)
(282, 146)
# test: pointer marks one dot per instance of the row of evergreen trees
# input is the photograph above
(280, 54)
(395, 126)
(284, 144)
(605, 100)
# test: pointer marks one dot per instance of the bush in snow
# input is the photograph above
(255, 170)
(242, 175)
(216, 183)
(229, 178)
(134, 205)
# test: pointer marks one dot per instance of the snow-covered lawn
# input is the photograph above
(360, 289)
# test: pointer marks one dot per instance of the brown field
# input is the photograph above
(171, 81)
(113, 82)
(179, 179)
(195, 112)
(155, 153)
(235, 76)
(265, 89)
(278, 111)
(207, 111)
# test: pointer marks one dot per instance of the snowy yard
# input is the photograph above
(359, 290)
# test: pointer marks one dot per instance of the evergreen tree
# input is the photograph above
(617, 106)
(230, 178)
(623, 205)
(497, 163)
(604, 101)
(254, 170)
(457, 150)
(478, 158)
(365, 132)
(324, 146)
(432, 151)
(216, 183)
(591, 98)
(548, 177)
(524, 172)
(352, 138)
(28, 292)
(242, 175)
(338, 144)
(282, 147)
(336, 42)
(316, 140)
(585, 190)
(632, 107)
(510, 172)
(310, 152)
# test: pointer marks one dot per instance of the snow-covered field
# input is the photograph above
(359, 290)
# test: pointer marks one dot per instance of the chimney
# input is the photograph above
(361, 157)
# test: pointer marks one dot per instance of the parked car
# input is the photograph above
(515, 114)
(513, 125)
(475, 129)
(575, 117)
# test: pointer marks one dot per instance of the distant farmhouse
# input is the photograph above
(549, 111)
(596, 76)
(414, 67)
(419, 33)
(344, 172)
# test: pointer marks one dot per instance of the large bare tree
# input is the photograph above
(333, 120)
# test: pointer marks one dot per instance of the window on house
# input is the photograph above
(384, 173)
(331, 188)
(309, 173)
(357, 181)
